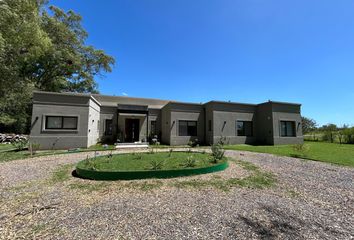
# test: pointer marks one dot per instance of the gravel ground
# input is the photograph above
(311, 200)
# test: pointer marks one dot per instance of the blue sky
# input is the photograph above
(244, 51)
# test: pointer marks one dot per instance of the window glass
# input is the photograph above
(109, 127)
(153, 128)
(60, 122)
(187, 128)
(70, 122)
(287, 129)
(244, 128)
(53, 122)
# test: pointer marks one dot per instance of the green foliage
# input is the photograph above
(349, 135)
(20, 144)
(156, 165)
(34, 147)
(301, 150)
(308, 125)
(42, 48)
(190, 162)
(193, 143)
(217, 152)
(320, 151)
(329, 132)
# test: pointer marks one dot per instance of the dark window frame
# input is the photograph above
(189, 133)
(293, 124)
(62, 123)
(244, 133)
(110, 132)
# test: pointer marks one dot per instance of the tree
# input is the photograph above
(42, 50)
(308, 125)
(330, 131)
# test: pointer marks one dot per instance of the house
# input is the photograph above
(72, 120)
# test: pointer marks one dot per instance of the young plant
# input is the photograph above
(20, 144)
(170, 152)
(217, 152)
(33, 147)
(190, 162)
(301, 150)
(156, 165)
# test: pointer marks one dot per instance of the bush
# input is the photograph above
(349, 135)
(217, 152)
(301, 150)
(156, 165)
(20, 144)
(194, 143)
(190, 162)
(34, 147)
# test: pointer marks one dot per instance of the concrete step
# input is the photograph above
(132, 145)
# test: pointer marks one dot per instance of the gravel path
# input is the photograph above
(311, 200)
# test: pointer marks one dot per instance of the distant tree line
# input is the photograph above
(329, 132)
(42, 48)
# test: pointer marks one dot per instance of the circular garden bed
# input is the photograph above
(148, 165)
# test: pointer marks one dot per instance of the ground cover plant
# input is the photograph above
(341, 154)
(150, 161)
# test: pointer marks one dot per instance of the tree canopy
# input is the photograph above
(42, 47)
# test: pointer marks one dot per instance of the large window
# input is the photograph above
(244, 128)
(108, 127)
(187, 128)
(287, 129)
(61, 122)
(153, 128)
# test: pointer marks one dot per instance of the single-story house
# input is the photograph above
(72, 120)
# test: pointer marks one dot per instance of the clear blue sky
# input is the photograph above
(244, 51)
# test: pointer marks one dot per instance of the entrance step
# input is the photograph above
(132, 145)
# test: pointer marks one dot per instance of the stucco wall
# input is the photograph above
(93, 123)
(59, 139)
(283, 112)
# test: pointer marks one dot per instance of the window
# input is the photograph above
(209, 125)
(153, 128)
(287, 128)
(244, 128)
(109, 127)
(60, 122)
(187, 128)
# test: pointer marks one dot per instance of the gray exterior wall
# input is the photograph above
(225, 115)
(175, 112)
(59, 105)
(93, 110)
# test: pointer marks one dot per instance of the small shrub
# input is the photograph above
(190, 162)
(20, 144)
(194, 143)
(301, 150)
(138, 156)
(156, 165)
(217, 152)
(222, 141)
(170, 152)
(34, 147)
(151, 151)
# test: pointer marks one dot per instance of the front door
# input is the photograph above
(131, 130)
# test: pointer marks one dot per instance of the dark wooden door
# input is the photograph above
(131, 130)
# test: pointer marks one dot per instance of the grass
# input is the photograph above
(257, 179)
(340, 154)
(62, 173)
(147, 161)
(8, 153)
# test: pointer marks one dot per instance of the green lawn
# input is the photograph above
(147, 161)
(318, 151)
(9, 153)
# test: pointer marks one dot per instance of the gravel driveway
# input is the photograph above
(311, 200)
